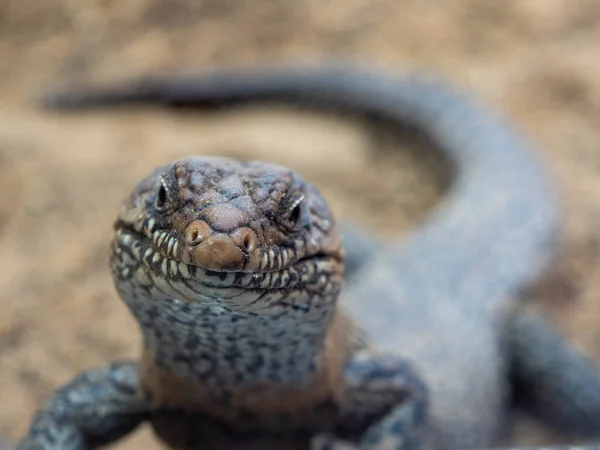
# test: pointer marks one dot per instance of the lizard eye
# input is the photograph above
(295, 213)
(161, 196)
(292, 217)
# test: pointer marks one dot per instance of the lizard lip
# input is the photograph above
(176, 278)
(217, 252)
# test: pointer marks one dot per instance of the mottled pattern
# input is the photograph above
(444, 299)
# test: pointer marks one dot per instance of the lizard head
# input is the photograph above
(208, 228)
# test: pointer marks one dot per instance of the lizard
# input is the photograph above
(233, 271)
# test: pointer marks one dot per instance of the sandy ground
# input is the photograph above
(62, 177)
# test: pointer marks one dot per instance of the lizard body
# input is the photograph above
(445, 299)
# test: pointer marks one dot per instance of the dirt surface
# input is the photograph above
(62, 177)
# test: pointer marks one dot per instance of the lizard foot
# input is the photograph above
(98, 407)
(386, 400)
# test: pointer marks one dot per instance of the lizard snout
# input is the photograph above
(217, 251)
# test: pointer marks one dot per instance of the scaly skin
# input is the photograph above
(230, 355)
(233, 271)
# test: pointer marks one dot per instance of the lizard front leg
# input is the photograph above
(383, 405)
(99, 406)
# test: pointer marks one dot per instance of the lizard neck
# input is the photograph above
(224, 349)
(317, 387)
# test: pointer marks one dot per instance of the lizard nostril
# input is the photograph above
(245, 239)
(196, 232)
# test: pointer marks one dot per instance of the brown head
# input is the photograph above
(214, 229)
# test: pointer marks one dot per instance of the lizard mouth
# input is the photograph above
(197, 245)
(195, 263)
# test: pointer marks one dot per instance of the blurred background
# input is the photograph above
(63, 176)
